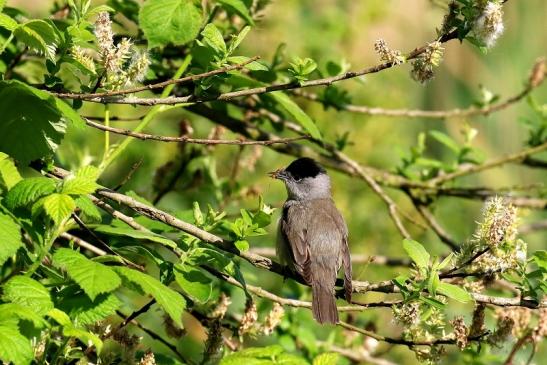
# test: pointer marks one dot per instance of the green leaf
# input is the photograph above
(454, 292)
(169, 21)
(193, 282)
(214, 39)
(445, 140)
(59, 207)
(14, 347)
(84, 311)
(9, 176)
(171, 301)
(60, 317)
(10, 238)
(328, 358)
(540, 258)
(433, 283)
(416, 252)
(10, 310)
(8, 22)
(89, 210)
(28, 190)
(298, 114)
(33, 118)
(140, 235)
(94, 278)
(82, 182)
(29, 293)
(239, 7)
(236, 41)
(40, 36)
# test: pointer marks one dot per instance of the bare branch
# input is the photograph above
(145, 136)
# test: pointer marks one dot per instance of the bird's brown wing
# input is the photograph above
(294, 229)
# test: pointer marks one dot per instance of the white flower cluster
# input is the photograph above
(489, 25)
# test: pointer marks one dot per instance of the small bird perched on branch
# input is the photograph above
(312, 235)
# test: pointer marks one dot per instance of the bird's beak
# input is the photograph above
(278, 174)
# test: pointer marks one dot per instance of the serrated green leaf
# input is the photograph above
(8, 22)
(29, 293)
(9, 310)
(171, 301)
(59, 316)
(9, 175)
(94, 278)
(85, 311)
(10, 237)
(141, 235)
(28, 190)
(297, 113)
(328, 358)
(416, 252)
(14, 347)
(454, 292)
(82, 182)
(33, 118)
(39, 35)
(169, 21)
(89, 210)
(193, 282)
(239, 7)
(59, 206)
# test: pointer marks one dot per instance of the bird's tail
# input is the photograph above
(324, 303)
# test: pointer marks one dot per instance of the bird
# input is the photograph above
(312, 237)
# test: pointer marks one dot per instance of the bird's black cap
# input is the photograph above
(305, 167)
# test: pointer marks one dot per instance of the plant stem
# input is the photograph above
(6, 43)
(107, 134)
(147, 118)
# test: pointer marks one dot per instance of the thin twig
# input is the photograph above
(159, 85)
(184, 139)
(470, 169)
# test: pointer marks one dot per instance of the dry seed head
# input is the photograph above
(222, 306)
(103, 32)
(386, 54)
(489, 25)
(541, 329)
(407, 314)
(273, 318)
(423, 66)
(249, 318)
(502, 332)
(85, 60)
(460, 332)
(148, 359)
(538, 73)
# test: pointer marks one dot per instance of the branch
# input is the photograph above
(355, 258)
(437, 114)
(470, 169)
(266, 263)
(159, 85)
(435, 226)
(258, 90)
(144, 136)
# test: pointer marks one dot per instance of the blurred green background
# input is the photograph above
(335, 30)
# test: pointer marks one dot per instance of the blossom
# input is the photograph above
(489, 25)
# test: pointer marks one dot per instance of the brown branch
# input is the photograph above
(435, 226)
(532, 227)
(261, 89)
(159, 85)
(471, 169)
(84, 244)
(266, 263)
(355, 258)
(145, 136)
(436, 114)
